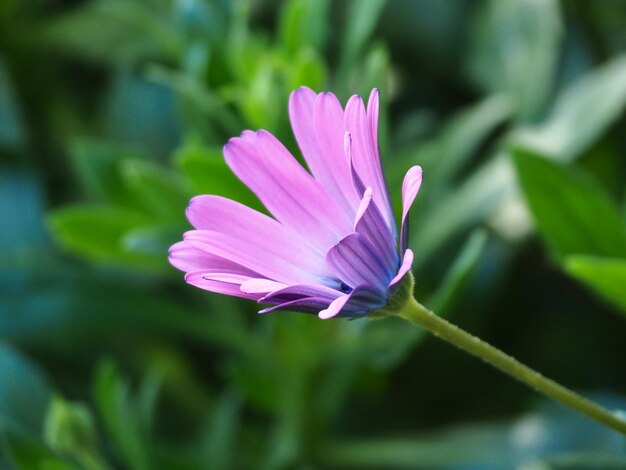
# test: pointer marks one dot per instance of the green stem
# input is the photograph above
(416, 313)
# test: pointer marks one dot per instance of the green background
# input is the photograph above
(113, 114)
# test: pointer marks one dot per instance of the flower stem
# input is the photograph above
(416, 313)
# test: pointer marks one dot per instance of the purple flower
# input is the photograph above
(332, 245)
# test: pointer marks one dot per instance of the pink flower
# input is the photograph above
(332, 245)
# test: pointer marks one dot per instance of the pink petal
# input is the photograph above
(407, 263)
(365, 156)
(370, 224)
(355, 262)
(372, 115)
(261, 286)
(410, 188)
(292, 195)
(269, 261)
(187, 258)
(317, 122)
(223, 215)
(199, 279)
(334, 308)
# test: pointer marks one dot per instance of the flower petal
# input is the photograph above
(360, 302)
(407, 264)
(370, 224)
(372, 115)
(270, 262)
(299, 291)
(291, 194)
(355, 261)
(317, 122)
(410, 188)
(366, 157)
(304, 305)
(199, 279)
(187, 258)
(261, 286)
(334, 308)
(223, 215)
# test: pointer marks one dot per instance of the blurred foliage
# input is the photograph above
(113, 114)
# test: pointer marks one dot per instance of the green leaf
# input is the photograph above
(97, 167)
(362, 18)
(373, 72)
(208, 173)
(24, 390)
(572, 211)
(160, 190)
(469, 203)
(97, 232)
(582, 113)
(112, 31)
(220, 444)
(26, 453)
(120, 416)
(303, 24)
(307, 69)
(445, 156)
(517, 51)
(605, 276)
(459, 273)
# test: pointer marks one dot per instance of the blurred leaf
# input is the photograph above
(572, 212)
(387, 343)
(361, 19)
(581, 114)
(141, 112)
(11, 125)
(26, 453)
(553, 434)
(97, 166)
(21, 210)
(97, 232)
(459, 273)
(470, 202)
(120, 415)
(24, 392)
(220, 445)
(69, 429)
(303, 24)
(373, 73)
(606, 276)
(517, 51)
(445, 156)
(308, 69)
(208, 173)
(153, 241)
(196, 96)
(162, 191)
(110, 31)
(581, 461)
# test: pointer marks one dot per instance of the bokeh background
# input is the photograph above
(113, 114)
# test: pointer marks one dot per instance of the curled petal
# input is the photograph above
(407, 264)
(361, 301)
(410, 188)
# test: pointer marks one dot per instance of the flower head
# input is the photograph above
(332, 246)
